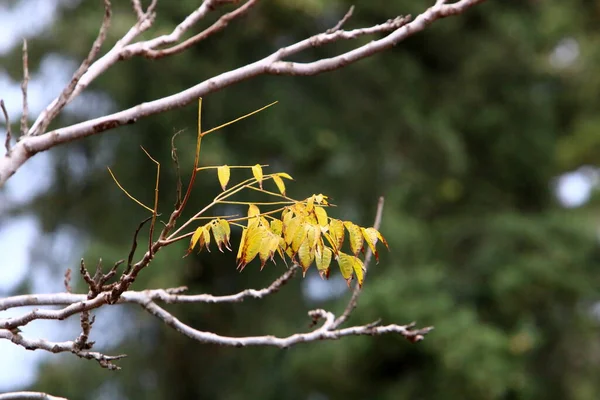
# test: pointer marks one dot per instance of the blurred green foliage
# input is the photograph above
(462, 127)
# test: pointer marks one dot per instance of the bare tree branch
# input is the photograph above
(325, 332)
(63, 99)
(149, 52)
(60, 347)
(274, 64)
(342, 21)
(8, 130)
(29, 396)
(24, 83)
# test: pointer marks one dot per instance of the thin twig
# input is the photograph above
(342, 21)
(24, 84)
(8, 130)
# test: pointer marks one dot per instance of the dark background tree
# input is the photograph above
(463, 128)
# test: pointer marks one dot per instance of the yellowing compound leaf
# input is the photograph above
(323, 260)
(336, 232)
(290, 229)
(370, 235)
(346, 263)
(252, 246)
(223, 172)
(253, 212)
(276, 226)
(258, 174)
(206, 237)
(380, 237)
(242, 245)
(219, 234)
(224, 232)
(359, 270)
(356, 238)
(195, 237)
(321, 215)
(306, 255)
(321, 199)
(310, 204)
(299, 238)
(280, 185)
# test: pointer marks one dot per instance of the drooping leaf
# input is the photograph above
(346, 263)
(194, 240)
(258, 174)
(321, 199)
(219, 234)
(280, 185)
(356, 237)
(276, 226)
(370, 236)
(336, 231)
(306, 255)
(321, 215)
(226, 229)
(252, 246)
(299, 238)
(310, 203)
(242, 245)
(223, 172)
(206, 237)
(253, 212)
(380, 237)
(359, 270)
(290, 229)
(323, 260)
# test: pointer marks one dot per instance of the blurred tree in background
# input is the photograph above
(463, 128)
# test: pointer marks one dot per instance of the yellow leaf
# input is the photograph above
(299, 238)
(252, 246)
(310, 202)
(253, 211)
(226, 229)
(313, 234)
(280, 185)
(346, 263)
(219, 234)
(306, 255)
(242, 245)
(323, 260)
(336, 230)
(359, 270)
(380, 237)
(370, 235)
(284, 175)
(195, 237)
(206, 237)
(321, 199)
(356, 238)
(276, 226)
(264, 252)
(290, 229)
(223, 173)
(258, 174)
(321, 215)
